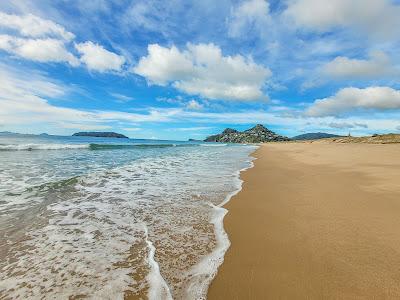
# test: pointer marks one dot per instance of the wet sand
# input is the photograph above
(315, 221)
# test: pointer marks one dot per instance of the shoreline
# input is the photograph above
(314, 221)
(213, 261)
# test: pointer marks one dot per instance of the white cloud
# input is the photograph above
(348, 99)
(342, 125)
(99, 59)
(93, 6)
(346, 125)
(45, 41)
(24, 102)
(379, 65)
(376, 18)
(203, 70)
(362, 125)
(34, 110)
(195, 128)
(121, 98)
(131, 129)
(176, 100)
(80, 126)
(153, 115)
(163, 65)
(41, 50)
(144, 15)
(194, 105)
(247, 16)
(24, 105)
(33, 26)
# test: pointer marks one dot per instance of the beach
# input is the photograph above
(314, 221)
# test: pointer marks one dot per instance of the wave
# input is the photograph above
(202, 274)
(54, 185)
(127, 215)
(213, 145)
(132, 146)
(31, 147)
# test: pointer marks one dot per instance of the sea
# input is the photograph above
(108, 218)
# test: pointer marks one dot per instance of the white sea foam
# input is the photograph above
(117, 221)
(213, 145)
(30, 147)
(158, 288)
(204, 272)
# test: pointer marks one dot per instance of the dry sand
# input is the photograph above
(315, 221)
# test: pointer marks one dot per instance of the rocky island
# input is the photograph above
(101, 134)
(257, 134)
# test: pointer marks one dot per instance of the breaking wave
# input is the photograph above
(31, 147)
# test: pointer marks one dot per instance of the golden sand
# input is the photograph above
(315, 221)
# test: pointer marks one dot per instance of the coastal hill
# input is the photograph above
(101, 134)
(314, 136)
(390, 138)
(257, 134)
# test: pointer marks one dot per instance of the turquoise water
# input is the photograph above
(105, 218)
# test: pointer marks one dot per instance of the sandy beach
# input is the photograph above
(315, 221)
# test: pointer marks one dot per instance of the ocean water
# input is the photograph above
(98, 218)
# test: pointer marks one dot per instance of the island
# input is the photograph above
(101, 134)
(257, 134)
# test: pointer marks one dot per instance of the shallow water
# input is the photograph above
(111, 218)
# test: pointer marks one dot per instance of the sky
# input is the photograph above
(184, 69)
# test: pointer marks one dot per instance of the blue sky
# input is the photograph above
(186, 69)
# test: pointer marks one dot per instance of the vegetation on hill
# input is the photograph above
(390, 138)
(101, 134)
(314, 136)
(257, 134)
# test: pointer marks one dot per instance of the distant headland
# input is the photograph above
(257, 134)
(314, 136)
(101, 134)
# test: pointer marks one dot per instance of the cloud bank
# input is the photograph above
(350, 99)
(377, 66)
(40, 50)
(95, 57)
(247, 16)
(33, 26)
(202, 70)
(361, 15)
(44, 41)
